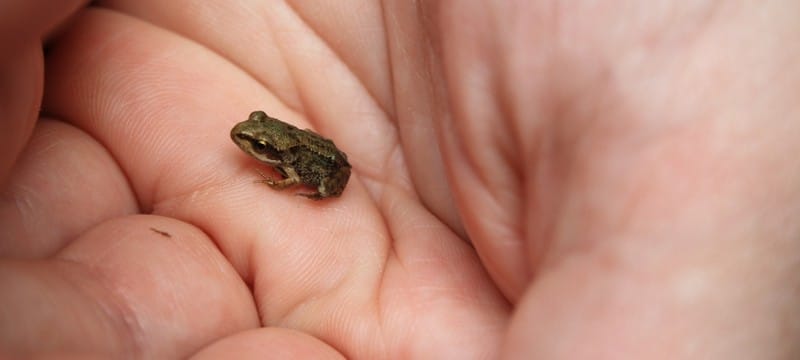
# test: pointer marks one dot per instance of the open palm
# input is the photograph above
(145, 97)
(496, 166)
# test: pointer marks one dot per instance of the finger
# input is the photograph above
(25, 22)
(20, 96)
(287, 65)
(133, 285)
(275, 343)
(64, 183)
(22, 25)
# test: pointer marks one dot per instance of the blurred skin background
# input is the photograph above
(532, 179)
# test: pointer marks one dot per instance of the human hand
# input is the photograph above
(579, 172)
(137, 122)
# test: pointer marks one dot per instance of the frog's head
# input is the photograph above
(263, 137)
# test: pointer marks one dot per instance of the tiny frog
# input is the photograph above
(303, 157)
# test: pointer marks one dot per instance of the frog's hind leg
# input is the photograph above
(312, 196)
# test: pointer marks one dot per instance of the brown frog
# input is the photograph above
(303, 157)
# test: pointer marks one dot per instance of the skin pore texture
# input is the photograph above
(531, 179)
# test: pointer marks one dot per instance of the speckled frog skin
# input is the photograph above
(303, 157)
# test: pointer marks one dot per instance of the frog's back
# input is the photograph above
(322, 147)
(315, 169)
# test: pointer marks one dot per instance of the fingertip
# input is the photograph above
(274, 343)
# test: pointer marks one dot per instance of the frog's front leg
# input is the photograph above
(291, 179)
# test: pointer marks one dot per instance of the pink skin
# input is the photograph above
(531, 179)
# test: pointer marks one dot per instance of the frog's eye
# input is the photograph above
(260, 146)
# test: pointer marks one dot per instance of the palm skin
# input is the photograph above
(528, 181)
